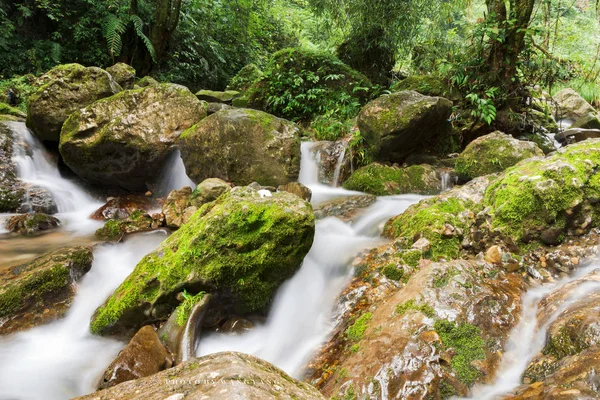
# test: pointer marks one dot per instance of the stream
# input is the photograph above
(63, 359)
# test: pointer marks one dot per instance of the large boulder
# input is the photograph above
(493, 153)
(123, 74)
(62, 91)
(32, 223)
(41, 290)
(383, 180)
(239, 248)
(571, 106)
(214, 377)
(395, 125)
(242, 146)
(122, 141)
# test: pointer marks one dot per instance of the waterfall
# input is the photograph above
(63, 359)
(338, 167)
(447, 181)
(173, 176)
(300, 318)
(518, 352)
(35, 167)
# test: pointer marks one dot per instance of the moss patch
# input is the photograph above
(382, 180)
(411, 304)
(184, 309)
(356, 331)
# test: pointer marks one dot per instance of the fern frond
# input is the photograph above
(138, 26)
(112, 30)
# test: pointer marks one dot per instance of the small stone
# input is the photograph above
(148, 194)
(574, 260)
(422, 244)
(494, 255)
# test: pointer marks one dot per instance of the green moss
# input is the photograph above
(356, 331)
(393, 272)
(428, 219)
(539, 372)
(245, 78)
(355, 348)
(241, 245)
(537, 194)
(382, 180)
(184, 309)
(8, 110)
(424, 309)
(443, 279)
(411, 257)
(447, 390)
(468, 345)
(568, 341)
(112, 229)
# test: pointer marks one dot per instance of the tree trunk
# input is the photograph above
(166, 18)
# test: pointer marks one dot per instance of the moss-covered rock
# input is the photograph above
(5, 109)
(12, 191)
(299, 84)
(147, 81)
(239, 248)
(175, 205)
(123, 74)
(62, 91)
(544, 199)
(383, 180)
(212, 96)
(428, 85)
(245, 78)
(397, 124)
(237, 375)
(30, 224)
(493, 153)
(209, 190)
(41, 290)
(122, 141)
(242, 146)
(137, 221)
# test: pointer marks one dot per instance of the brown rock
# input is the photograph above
(143, 356)
(296, 188)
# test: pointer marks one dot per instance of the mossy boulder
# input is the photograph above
(147, 81)
(215, 376)
(544, 199)
(31, 224)
(493, 153)
(62, 91)
(212, 96)
(41, 290)
(240, 249)
(428, 85)
(299, 84)
(396, 125)
(122, 141)
(137, 221)
(123, 74)
(12, 191)
(244, 79)
(5, 109)
(242, 146)
(383, 180)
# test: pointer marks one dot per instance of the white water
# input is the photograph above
(338, 168)
(36, 167)
(447, 181)
(63, 359)
(528, 339)
(174, 176)
(300, 319)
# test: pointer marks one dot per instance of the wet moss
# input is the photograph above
(468, 345)
(411, 304)
(382, 180)
(393, 272)
(112, 229)
(356, 331)
(184, 309)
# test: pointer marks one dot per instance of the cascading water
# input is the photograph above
(519, 352)
(63, 359)
(338, 168)
(173, 176)
(300, 319)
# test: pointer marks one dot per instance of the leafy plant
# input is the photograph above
(483, 107)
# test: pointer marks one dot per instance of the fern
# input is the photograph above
(138, 26)
(112, 30)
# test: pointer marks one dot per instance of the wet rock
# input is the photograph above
(334, 160)
(383, 180)
(42, 290)
(493, 153)
(62, 91)
(344, 208)
(137, 221)
(575, 135)
(395, 125)
(296, 188)
(182, 330)
(122, 207)
(31, 224)
(212, 96)
(209, 190)
(39, 200)
(432, 333)
(236, 325)
(242, 146)
(239, 248)
(143, 356)
(122, 141)
(123, 74)
(175, 205)
(216, 107)
(216, 376)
